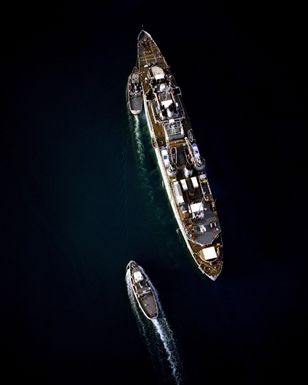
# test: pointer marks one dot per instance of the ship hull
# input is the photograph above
(169, 191)
(187, 187)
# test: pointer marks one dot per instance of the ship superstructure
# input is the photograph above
(181, 164)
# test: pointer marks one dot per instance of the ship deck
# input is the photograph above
(144, 292)
(148, 54)
(199, 233)
(148, 303)
(135, 103)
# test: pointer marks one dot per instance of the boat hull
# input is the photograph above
(143, 290)
(134, 93)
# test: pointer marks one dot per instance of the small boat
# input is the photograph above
(134, 92)
(143, 290)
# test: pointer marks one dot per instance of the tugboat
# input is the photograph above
(143, 290)
(134, 92)
(182, 167)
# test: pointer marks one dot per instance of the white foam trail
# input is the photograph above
(141, 155)
(140, 147)
(162, 329)
(123, 189)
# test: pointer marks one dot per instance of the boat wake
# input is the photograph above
(163, 330)
(141, 155)
(148, 171)
(140, 147)
(161, 338)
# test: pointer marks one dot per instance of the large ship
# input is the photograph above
(143, 290)
(181, 164)
(134, 92)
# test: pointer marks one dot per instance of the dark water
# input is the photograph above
(79, 200)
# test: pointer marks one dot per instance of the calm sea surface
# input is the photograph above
(85, 197)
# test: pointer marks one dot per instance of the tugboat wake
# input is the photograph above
(147, 298)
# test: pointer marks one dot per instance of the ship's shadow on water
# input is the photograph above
(159, 341)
